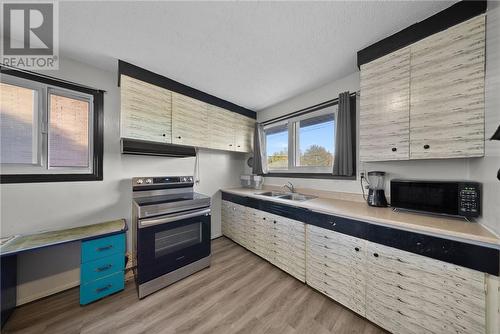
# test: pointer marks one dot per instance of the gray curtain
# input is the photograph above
(259, 151)
(343, 160)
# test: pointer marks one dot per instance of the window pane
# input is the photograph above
(68, 132)
(316, 141)
(277, 147)
(18, 108)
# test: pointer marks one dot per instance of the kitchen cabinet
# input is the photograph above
(221, 130)
(336, 266)
(447, 93)
(244, 131)
(384, 108)
(146, 111)
(279, 240)
(408, 293)
(426, 101)
(189, 121)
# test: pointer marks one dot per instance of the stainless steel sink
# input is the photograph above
(272, 193)
(297, 197)
(290, 196)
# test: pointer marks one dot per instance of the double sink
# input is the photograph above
(289, 196)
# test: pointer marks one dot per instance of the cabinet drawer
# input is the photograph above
(102, 287)
(102, 247)
(100, 268)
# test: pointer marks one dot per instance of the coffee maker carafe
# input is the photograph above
(376, 193)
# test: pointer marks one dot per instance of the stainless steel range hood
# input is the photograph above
(143, 147)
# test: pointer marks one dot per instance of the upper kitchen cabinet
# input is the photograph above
(426, 100)
(244, 131)
(189, 121)
(384, 108)
(221, 131)
(146, 111)
(447, 93)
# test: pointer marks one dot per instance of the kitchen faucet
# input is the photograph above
(290, 187)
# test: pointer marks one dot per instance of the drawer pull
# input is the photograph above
(426, 147)
(104, 288)
(333, 223)
(263, 218)
(394, 149)
(274, 221)
(104, 268)
(375, 254)
(356, 249)
(100, 249)
(399, 286)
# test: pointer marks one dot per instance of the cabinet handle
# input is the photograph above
(274, 222)
(100, 249)
(394, 149)
(239, 145)
(164, 135)
(264, 218)
(107, 287)
(104, 268)
(356, 249)
(375, 254)
(230, 144)
(179, 137)
(333, 223)
(426, 147)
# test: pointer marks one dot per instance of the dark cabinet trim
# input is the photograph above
(458, 13)
(175, 86)
(481, 258)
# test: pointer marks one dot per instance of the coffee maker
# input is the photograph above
(376, 193)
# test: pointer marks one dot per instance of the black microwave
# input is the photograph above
(454, 198)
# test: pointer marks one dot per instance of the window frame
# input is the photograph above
(294, 171)
(42, 172)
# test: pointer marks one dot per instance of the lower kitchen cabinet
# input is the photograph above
(336, 266)
(279, 240)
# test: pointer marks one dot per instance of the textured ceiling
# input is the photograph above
(254, 54)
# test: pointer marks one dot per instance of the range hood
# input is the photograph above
(143, 147)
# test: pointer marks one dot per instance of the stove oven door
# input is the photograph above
(169, 242)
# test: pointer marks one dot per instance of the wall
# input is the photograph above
(27, 208)
(479, 169)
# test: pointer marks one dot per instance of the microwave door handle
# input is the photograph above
(173, 217)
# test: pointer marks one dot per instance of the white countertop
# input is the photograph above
(446, 227)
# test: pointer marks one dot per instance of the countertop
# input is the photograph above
(21, 243)
(445, 227)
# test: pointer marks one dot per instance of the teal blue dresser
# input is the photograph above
(102, 271)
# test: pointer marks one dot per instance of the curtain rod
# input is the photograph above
(4, 67)
(307, 110)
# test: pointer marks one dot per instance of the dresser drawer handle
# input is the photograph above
(100, 249)
(426, 147)
(375, 254)
(394, 149)
(104, 268)
(104, 288)
(356, 249)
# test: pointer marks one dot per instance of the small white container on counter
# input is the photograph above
(246, 181)
(257, 181)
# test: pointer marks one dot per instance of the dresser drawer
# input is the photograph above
(100, 268)
(102, 287)
(102, 247)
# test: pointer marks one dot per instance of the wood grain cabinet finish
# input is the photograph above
(384, 108)
(189, 121)
(244, 131)
(336, 266)
(279, 240)
(426, 101)
(221, 130)
(408, 293)
(146, 111)
(447, 93)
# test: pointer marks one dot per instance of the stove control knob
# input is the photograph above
(184, 179)
(149, 181)
(140, 181)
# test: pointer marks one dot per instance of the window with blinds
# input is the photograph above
(44, 129)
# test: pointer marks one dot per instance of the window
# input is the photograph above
(302, 144)
(50, 130)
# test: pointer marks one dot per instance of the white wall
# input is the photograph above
(478, 169)
(31, 207)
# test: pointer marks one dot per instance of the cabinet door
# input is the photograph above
(447, 93)
(146, 111)
(384, 108)
(243, 134)
(408, 293)
(227, 219)
(221, 129)
(189, 121)
(336, 266)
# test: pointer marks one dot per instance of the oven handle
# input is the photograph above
(173, 217)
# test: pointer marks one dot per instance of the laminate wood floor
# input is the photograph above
(239, 293)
